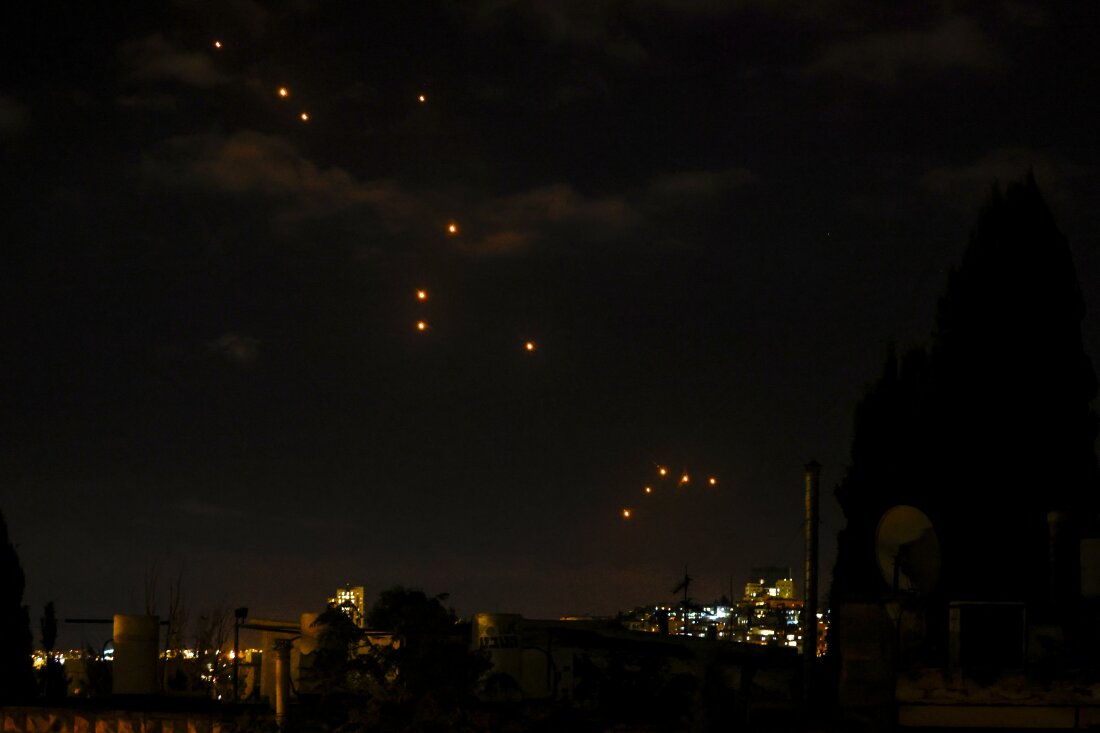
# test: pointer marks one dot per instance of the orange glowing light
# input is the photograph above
(452, 228)
(305, 117)
(530, 346)
(283, 92)
(649, 489)
(626, 513)
(685, 478)
(217, 44)
(421, 294)
(662, 470)
(712, 481)
(421, 98)
(421, 326)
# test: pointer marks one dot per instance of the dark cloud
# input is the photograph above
(148, 102)
(588, 24)
(155, 58)
(250, 163)
(701, 183)
(887, 57)
(236, 348)
(965, 185)
(1025, 13)
(228, 14)
(269, 169)
(14, 118)
(512, 223)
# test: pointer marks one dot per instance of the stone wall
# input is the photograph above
(63, 720)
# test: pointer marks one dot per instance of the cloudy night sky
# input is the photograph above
(710, 220)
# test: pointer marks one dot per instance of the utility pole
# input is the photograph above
(239, 615)
(282, 681)
(809, 608)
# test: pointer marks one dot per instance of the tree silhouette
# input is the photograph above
(431, 673)
(990, 428)
(1013, 393)
(338, 666)
(16, 672)
(433, 652)
(424, 680)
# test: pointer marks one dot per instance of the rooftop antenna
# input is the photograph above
(683, 585)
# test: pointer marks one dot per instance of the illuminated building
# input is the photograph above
(768, 614)
(350, 601)
(770, 582)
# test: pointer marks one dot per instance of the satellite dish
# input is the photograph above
(907, 550)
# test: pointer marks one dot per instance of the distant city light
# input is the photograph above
(217, 44)
(530, 346)
(649, 489)
(305, 117)
(283, 92)
(452, 228)
(626, 514)
(712, 481)
(662, 470)
(421, 294)
(421, 98)
(685, 478)
(421, 326)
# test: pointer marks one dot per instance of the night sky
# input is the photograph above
(710, 219)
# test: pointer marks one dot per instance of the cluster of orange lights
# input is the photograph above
(663, 472)
(452, 228)
(284, 93)
(422, 296)
(685, 478)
